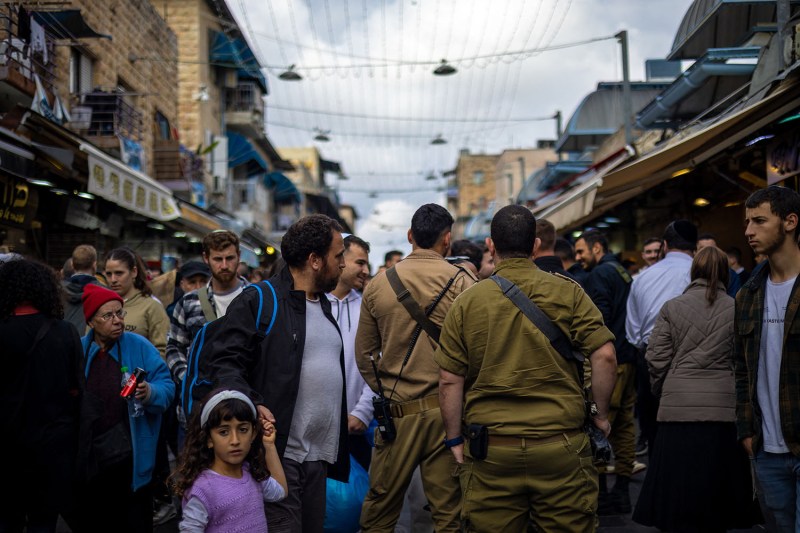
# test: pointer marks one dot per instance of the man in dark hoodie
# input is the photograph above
(84, 262)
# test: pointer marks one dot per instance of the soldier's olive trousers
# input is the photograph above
(419, 442)
(620, 414)
(552, 485)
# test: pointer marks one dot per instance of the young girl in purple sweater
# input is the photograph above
(229, 467)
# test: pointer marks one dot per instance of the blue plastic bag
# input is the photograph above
(343, 500)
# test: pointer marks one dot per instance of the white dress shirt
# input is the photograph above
(662, 281)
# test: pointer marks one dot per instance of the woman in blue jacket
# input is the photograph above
(117, 449)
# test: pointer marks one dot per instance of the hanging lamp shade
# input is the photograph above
(290, 75)
(444, 69)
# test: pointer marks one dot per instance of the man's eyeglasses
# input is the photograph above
(107, 316)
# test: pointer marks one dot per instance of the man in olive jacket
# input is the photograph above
(386, 331)
(498, 370)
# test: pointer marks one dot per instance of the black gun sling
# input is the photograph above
(411, 305)
(556, 337)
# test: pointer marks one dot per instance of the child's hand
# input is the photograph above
(269, 432)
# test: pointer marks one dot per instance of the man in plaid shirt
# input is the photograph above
(221, 252)
(767, 353)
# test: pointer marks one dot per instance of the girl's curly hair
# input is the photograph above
(196, 456)
(28, 281)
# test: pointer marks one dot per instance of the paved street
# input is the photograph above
(608, 524)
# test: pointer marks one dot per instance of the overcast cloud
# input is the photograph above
(388, 160)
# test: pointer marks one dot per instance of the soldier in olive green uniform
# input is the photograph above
(385, 328)
(499, 370)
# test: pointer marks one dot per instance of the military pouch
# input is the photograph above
(478, 436)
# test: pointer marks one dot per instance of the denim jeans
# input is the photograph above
(779, 477)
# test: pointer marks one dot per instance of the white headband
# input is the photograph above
(221, 396)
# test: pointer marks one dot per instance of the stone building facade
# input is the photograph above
(139, 60)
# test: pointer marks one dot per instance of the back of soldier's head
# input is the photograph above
(429, 223)
(513, 231)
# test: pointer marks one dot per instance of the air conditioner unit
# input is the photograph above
(230, 78)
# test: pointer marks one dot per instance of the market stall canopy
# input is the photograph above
(111, 179)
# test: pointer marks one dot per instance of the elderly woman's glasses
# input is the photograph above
(107, 316)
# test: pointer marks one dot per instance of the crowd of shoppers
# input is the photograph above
(481, 365)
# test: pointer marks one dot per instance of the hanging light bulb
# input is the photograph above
(438, 140)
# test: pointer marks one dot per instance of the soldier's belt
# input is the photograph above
(412, 407)
(523, 442)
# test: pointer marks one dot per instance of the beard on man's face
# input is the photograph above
(326, 280)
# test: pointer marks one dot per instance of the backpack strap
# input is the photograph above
(205, 304)
(411, 305)
(262, 324)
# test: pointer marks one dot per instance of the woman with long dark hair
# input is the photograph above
(699, 476)
(127, 276)
(41, 385)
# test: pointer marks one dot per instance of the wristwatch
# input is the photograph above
(453, 442)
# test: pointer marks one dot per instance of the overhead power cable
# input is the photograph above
(396, 62)
(407, 119)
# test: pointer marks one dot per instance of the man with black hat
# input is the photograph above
(662, 281)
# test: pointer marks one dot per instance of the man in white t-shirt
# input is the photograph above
(767, 353)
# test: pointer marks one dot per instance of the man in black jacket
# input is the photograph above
(292, 374)
(545, 257)
(608, 285)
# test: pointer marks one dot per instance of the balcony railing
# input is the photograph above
(108, 114)
(19, 61)
(246, 97)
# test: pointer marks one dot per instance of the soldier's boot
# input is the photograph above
(620, 495)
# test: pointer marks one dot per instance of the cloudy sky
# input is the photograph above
(368, 83)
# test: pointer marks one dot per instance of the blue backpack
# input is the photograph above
(197, 382)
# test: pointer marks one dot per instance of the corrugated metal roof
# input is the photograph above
(720, 24)
(600, 114)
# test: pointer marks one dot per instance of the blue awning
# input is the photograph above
(235, 53)
(242, 152)
(67, 24)
(284, 190)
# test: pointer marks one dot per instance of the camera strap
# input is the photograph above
(557, 338)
